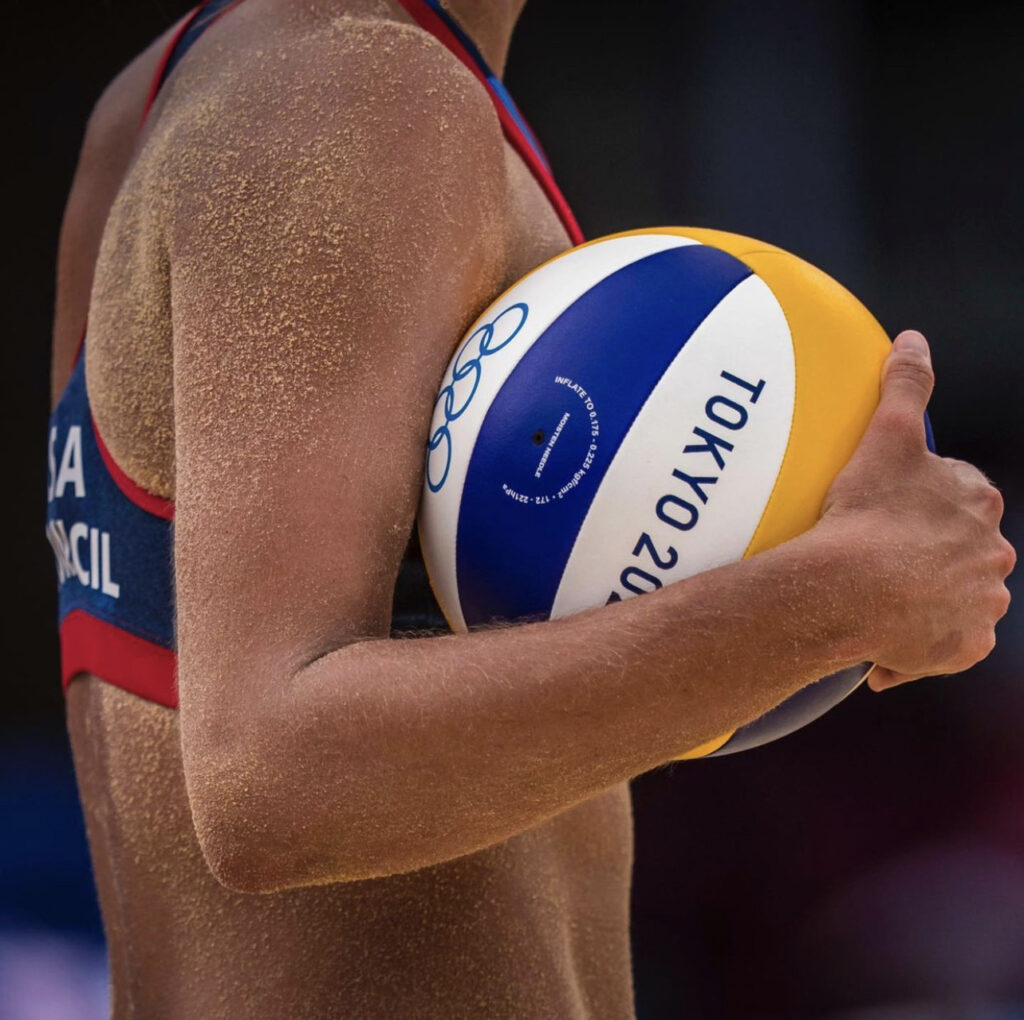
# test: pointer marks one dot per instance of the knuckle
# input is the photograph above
(966, 472)
(1007, 557)
(1002, 601)
(956, 464)
(976, 487)
(992, 499)
(912, 369)
(975, 650)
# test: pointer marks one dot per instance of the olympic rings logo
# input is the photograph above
(458, 394)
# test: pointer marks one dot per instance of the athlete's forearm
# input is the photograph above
(389, 755)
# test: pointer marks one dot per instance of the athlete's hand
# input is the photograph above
(924, 531)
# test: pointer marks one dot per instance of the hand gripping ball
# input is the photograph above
(639, 409)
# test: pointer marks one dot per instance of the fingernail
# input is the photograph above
(912, 341)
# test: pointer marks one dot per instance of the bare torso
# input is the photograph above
(534, 927)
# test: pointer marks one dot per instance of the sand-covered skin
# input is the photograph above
(534, 927)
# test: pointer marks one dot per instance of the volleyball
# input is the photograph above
(639, 409)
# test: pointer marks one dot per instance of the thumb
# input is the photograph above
(907, 383)
(907, 378)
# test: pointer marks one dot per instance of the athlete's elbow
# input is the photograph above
(278, 807)
(232, 862)
(243, 862)
(245, 852)
(260, 833)
(252, 846)
(232, 808)
(228, 824)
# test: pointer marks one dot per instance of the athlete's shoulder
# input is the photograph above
(330, 122)
(305, 75)
(398, 62)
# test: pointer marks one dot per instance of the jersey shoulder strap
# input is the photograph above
(189, 32)
(433, 18)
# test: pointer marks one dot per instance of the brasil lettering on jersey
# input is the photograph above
(113, 556)
(67, 540)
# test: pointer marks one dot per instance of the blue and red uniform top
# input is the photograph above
(113, 540)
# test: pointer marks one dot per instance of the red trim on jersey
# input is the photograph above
(90, 645)
(148, 501)
(155, 505)
(154, 85)
(427, 19)
(80, 347)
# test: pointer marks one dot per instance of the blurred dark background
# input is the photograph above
(870, 867)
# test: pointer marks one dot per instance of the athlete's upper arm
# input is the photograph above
(334, 228)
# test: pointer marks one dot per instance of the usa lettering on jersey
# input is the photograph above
(82, 551)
